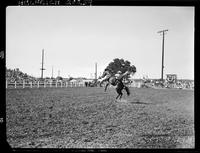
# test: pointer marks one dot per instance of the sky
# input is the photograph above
(74, 38)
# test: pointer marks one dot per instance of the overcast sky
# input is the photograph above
(74, 38)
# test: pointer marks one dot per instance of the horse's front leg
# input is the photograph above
(106, 87)
(100, 83)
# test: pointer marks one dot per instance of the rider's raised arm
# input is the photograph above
(126, 73)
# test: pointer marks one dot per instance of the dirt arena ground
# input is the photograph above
(91, 118)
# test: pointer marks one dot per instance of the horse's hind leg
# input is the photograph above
(119, 91)
(127, 90)
(100, 84)
(120, 96)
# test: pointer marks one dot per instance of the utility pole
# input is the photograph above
(95, 71)
(52, 72)
(42, 69)
(58, 72)
(163, 34)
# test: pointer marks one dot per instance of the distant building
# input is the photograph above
(137, 83)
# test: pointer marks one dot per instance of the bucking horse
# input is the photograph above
(112, 80)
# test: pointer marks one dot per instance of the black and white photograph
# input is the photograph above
(99, 77)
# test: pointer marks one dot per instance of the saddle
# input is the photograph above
(112, 80)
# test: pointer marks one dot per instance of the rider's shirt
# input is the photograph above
(119, 76)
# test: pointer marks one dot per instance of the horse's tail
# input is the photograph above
(127, 90)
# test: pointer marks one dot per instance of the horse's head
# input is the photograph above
(99, 79)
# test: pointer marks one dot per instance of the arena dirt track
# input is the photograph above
(90, 118)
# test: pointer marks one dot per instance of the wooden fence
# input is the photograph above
(61, 84)
(40, 84)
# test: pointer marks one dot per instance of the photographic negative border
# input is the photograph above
(194, 3)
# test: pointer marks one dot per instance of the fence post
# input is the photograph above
(23, 83)
(66, 84)
(31, 84)
(15, 84)
(71, 84)
(139, 85)
(44, 84)
(38, 84)
(50, 83)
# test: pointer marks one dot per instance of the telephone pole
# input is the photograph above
(95, 71)
(42, 69)
(52, 72)
(163, 34)
(58, 72)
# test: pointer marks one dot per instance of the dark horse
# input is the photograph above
(118, 82)
(120, 87)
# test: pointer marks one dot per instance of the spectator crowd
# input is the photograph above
(18, 76)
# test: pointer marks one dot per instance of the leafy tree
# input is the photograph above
(59, 78)
(70, 78)
(25, 75)
(121, 65)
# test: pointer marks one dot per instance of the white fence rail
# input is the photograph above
(62, 84)
(40, 84)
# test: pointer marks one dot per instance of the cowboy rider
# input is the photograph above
(119, 77)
